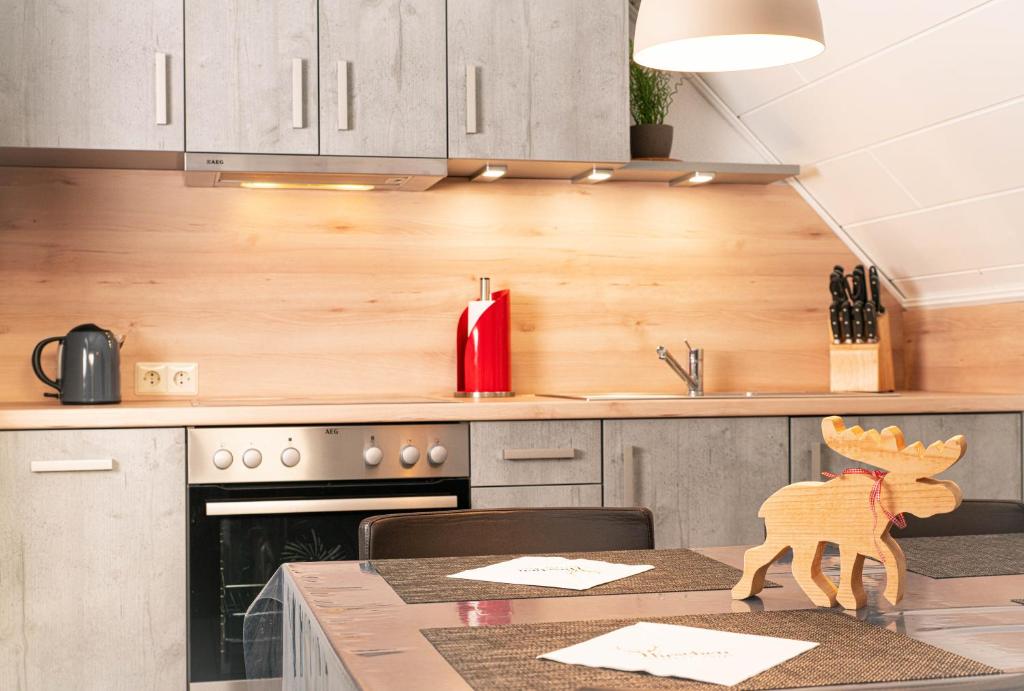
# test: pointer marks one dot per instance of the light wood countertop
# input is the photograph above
(298, 411)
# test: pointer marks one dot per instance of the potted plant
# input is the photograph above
(650, 95)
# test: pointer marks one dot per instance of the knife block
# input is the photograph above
(862, 367)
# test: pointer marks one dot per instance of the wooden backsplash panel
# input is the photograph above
(298, 293)
(975, 349)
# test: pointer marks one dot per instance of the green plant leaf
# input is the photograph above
(650, 93)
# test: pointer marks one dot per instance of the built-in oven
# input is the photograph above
(263, 496)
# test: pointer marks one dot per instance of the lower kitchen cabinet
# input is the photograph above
(704, 478)
(92, 562)
(544, 496)
(541, 452)
(991, 468)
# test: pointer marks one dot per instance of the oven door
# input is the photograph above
(240, 534)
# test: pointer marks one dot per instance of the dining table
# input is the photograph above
(341, 625)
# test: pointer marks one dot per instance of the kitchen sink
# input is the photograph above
(632, 396)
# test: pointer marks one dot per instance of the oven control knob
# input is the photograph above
(222, 458)
(290, 457)
(252, 458)
(437, 454)
(373, 455)
(410, 455)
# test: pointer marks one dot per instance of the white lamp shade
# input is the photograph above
(726, 35)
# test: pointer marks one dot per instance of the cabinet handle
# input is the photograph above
(471, 108)
(160, 88)
(538, 454)
(629, 497)
(287, 506)
(816, 462)
(298, 103)
(343, 94)
(72, 466)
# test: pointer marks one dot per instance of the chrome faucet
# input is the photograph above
(694, 377)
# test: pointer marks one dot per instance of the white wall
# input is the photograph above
(910, 128)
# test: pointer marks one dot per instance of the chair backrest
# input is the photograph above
(973, 517)
(475, 532)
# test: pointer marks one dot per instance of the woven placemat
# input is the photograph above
(962, 556)
(851, 652)
(675, 570)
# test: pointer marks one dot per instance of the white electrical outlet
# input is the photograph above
(182, 378)
(166, 378)
(150, 378)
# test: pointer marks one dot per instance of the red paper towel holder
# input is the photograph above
(483, 351)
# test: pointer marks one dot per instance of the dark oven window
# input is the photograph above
(231, 558)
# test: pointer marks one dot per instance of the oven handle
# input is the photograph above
(283, 506)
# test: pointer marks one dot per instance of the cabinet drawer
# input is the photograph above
(550, 452)
(536, 496)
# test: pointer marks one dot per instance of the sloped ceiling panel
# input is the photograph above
(910, 129)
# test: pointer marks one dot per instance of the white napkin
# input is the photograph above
(553, 572)
(667, 650)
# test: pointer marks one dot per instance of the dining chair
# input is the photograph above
(973, 517)
(473, 532)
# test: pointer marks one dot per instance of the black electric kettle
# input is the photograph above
(88, 366)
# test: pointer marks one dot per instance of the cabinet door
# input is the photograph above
(542, 452)
(251, 76)
(91, 74)
(703, 478)
(991, 468)
(549, 78)
(93, 566)
(382, 78)
(543, 496)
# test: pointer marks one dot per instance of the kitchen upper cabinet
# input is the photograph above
(704, 478)
(538, 80)
(91, 74)
(251, 76)
(382, 78)
(991, 468)
(93, 561)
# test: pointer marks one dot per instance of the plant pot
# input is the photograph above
(650, 141)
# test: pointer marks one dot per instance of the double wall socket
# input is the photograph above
(166, 378)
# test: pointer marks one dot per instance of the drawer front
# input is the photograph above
(549, 452)
(536, 496)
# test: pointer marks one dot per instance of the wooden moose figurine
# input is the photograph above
(855, 511)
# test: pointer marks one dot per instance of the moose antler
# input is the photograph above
(887, 450)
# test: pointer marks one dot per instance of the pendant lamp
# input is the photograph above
(726, 35)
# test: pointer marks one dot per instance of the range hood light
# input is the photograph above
(489, 173)
(593, 176)
(689, 180)
(343, 187)
(726, 35)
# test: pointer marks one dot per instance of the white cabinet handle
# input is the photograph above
(343, 94)
(298, 103)
(160, 88)
(471, 108)
(629, 497)
(72, 466)
(538, 454)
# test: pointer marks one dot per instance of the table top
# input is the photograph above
(377, 636)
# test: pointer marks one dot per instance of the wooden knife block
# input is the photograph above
(863, 367)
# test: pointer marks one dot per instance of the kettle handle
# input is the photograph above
(37, 365)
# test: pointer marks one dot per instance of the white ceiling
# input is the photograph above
(910, 129)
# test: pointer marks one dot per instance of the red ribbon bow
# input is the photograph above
(874, 498)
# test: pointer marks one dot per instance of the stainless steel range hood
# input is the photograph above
(313, 172)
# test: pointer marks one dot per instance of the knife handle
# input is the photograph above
(876, 295)
(846, 321)
(858, 322)
(833, 315)
(870, 323)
